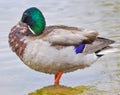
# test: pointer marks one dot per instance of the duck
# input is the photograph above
(55, 49)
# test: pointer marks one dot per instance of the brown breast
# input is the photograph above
(16, 40)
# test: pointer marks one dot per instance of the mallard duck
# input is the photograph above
(55, 49)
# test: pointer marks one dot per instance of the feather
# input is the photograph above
(97, 45)
(64, 35)
(80, 48)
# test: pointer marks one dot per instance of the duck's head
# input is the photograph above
(34, 18)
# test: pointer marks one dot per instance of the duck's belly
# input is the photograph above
(40, 56)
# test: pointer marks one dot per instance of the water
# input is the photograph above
(102, 16)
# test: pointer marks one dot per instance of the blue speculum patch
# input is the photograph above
(80, 48)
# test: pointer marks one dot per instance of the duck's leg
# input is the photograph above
(57, 77)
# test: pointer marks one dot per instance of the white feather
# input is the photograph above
(107, 51)
(39, 55)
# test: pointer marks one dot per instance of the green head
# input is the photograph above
(35, 19)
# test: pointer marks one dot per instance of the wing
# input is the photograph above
(64, 35)
(97, 45)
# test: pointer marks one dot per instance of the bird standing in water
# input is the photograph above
(55, 49)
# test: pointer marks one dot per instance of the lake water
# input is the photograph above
(100, 15)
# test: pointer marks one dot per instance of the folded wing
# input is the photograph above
(64, 35)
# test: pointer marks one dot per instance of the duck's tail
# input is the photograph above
(106, 50)
(100, 47)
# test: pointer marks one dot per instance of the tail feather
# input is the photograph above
(98, 45)
(107, 50)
